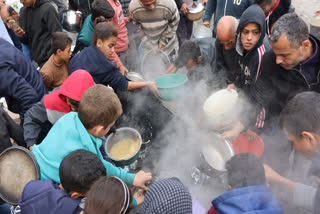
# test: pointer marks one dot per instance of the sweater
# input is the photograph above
(39, 22)
(68, 134)
(54, 74)
(158, 25)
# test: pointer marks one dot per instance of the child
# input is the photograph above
(42, 115)
(95, 59)
(55, 70)
(251, 44)
(108, 195)
(248, 192)
(300, 122)
(78, 171)
(99, 108)
(168, 196)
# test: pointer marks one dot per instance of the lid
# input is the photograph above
(195, 7)
(17, 167)
(242, 145)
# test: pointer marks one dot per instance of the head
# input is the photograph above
(101, 11)
(8, 13)
(104, 37)
(249, 36)
(28, 3)
(167, 196)
(189, 55)
(61, 45)
(108, 195)
(300, 122)
(149, 4)
(290, 40)
(266, 5)
(78, 171)
(244, 170)
(226, 31)
(99, 109)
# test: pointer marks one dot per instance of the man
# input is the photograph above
(38, 19)
(233, 8)
(226, 56)
(157, 22)
(21, 84)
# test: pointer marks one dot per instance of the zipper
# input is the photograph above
(300, 72)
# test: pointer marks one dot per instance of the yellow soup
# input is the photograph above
(124, 149)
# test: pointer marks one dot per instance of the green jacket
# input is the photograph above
(85, 34)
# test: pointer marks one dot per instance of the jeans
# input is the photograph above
(4, 207)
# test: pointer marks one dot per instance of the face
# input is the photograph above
(304, 144)
(149, 4)
(287, 56)
(28, 3)
(191, 64)
(65, 54)
(107, 46)
(227, 40)
(250, 35)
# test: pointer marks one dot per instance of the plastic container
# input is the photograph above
(171, 86)
(242, 145)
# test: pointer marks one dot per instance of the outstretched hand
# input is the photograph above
(141, 178)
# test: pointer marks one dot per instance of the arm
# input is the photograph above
(209, 10)
(4, 134)
(35, 117)
(118, 172)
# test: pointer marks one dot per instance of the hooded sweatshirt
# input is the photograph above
(38, 23)
(40, 118)
(250, 62)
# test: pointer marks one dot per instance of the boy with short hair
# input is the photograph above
(55, 70)
(300, 122)
(78, 171)
(99, 109)
(248, 191)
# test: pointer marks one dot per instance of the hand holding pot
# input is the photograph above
(123, 70)
(141, 178)
(139, 196)
(251, 135)
(233, 133)
(184, 8)
(153, 87)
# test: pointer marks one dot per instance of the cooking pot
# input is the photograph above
(134, 77)
(123, 133)
(216, 151)
(222, 109)
(72, 20)
(195, 11)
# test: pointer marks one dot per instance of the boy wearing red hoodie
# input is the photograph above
(40, 118)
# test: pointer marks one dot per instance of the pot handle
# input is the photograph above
(146, 142)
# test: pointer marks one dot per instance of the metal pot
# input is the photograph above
(196, 11)
(72, 20)
(134, 77)
(123, 133)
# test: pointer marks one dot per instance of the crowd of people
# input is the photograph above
(67, 96)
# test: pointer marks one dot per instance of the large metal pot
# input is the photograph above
(195, 11)
(123, 133)
(72, 20)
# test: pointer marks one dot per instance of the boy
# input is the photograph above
(248, 192)
(77, 172)
(55, 70)
(300, 122)
(99, 108)
(42, 115)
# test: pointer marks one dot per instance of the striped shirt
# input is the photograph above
(157, 25)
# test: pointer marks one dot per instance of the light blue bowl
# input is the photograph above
(171, 86)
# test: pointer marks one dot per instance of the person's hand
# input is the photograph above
(123, 70)
(30, 148)
(251, 135)
(233, 133)
(171, 69)
(19, 32)
(141, 178)
(317, 12)
(153, 87)
(128, 20)
(231, 86)
(139, 196)
(161, 46)
(184, 8)
(206, 23)
(271, 175)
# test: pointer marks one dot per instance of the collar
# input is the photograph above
(315, 54)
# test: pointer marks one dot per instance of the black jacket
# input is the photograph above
(39, 22)
(276, 86)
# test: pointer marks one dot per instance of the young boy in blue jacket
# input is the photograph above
(78, 171)
(248, 191)
(99, 108)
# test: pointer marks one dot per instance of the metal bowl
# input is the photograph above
(134, 77)
(72, 20)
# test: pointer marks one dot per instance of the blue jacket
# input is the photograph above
(101, 69)
(20, 83)
(252, 199)
(68, 134)
(46, 197)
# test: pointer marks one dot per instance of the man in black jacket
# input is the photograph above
(38, 19)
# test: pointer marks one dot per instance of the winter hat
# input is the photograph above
(168, 196)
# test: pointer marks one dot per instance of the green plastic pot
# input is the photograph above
(171, 86)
